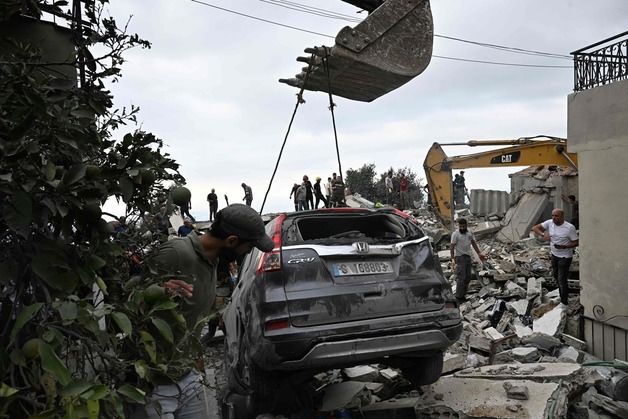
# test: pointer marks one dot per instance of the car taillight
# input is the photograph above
(271, 261)
(276, 325)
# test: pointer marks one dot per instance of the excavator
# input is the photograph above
(526, 151)
(384, 51)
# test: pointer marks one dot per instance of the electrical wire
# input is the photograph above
(334, 15)
(333, 37)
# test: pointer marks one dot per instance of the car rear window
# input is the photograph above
(347, 228)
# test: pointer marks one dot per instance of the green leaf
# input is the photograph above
(50, 170)
(123, 322)
(141, 369)
(6, 391)
(76, 173)
(150, 345)
(93, 408)
(101, 285)
(51, 363)
(95, 392)
(126, 187)
(68, 310)
(96, 262)
(132, 393)
(75, 388)
(26, 314)
(19, 213)
(164, 329)
(165, 305)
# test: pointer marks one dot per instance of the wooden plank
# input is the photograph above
(609, 343)
(620, 344)
(598, 339)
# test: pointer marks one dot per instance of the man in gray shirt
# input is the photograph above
(461, 242)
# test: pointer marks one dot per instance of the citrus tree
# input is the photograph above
(81, 336)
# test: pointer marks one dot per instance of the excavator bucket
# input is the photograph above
(384, 51)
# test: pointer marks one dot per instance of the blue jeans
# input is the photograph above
(188, 399)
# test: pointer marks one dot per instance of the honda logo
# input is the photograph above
(361, 247)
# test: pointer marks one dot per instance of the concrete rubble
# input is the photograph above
(520, 355)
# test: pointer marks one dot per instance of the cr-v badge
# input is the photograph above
(301, 260)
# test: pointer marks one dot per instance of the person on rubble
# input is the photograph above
(328, 192)
(563, 238)
(461, 242)
(248, 194)
(295, 187)
(309, 192)
(186, 228)
(301, 198)
(337, 191)
(403, 192)
(389, 187)
(193, 260)
(319, 194)
(212, 198)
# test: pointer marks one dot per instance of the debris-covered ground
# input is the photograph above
(520, 354)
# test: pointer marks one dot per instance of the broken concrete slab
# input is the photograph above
(537, 371)
(520, 329)
(520, 306)
(552, 322)
(362, 373)
(535, 287)
(520, 218)
(516, 392)
(569, 354)
(541, 341)
(525, 354)
(453, 362)
(347, 394)
(389, 374)
(493, 334)
(477, 397)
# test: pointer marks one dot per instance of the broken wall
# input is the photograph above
(598, 132)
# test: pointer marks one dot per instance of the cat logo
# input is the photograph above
(507, 158)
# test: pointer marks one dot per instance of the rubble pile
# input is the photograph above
(520, 354)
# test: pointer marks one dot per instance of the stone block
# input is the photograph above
(541, 341)
(362, 373)
(390, 409)
(520, 306)
(552, 322)
(525, 354)
(389, 374)
(516, 392)
(569, 354)
(493, 334)
(480, 343)
(453, 362)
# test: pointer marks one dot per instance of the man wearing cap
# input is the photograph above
(193, 260)
(319, 193)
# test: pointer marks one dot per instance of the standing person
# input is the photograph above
(403, 192)
(319, 193)
(463, 189)
(389, 187)
(337, 191)
(186, 228)
(185, 210)
(575, 209)
(236, 230)
(301, 198)
(309, 195)
(456, 188)
(248, 194)
(328, 192)
(461, 242)
(295, 187)
(212, 198)
(563, 238)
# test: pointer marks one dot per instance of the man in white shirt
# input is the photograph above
(462, 240)
(563, 238)
(389, 188)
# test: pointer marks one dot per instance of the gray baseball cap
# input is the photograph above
(244, 222)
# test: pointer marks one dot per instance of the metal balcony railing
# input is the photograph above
(601, 63)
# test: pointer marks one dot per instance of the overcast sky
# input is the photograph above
(209, 88)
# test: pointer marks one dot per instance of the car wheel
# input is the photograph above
(423, 371)
(261, 385)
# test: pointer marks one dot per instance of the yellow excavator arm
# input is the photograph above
(527, 151)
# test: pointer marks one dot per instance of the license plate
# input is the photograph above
(362, 268)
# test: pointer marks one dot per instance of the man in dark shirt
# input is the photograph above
(319, 193)
(295, 187)
(212, 198)
(309, 196)
(236, 231)
(186, 228)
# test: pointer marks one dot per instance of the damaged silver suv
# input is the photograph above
(342, 287)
